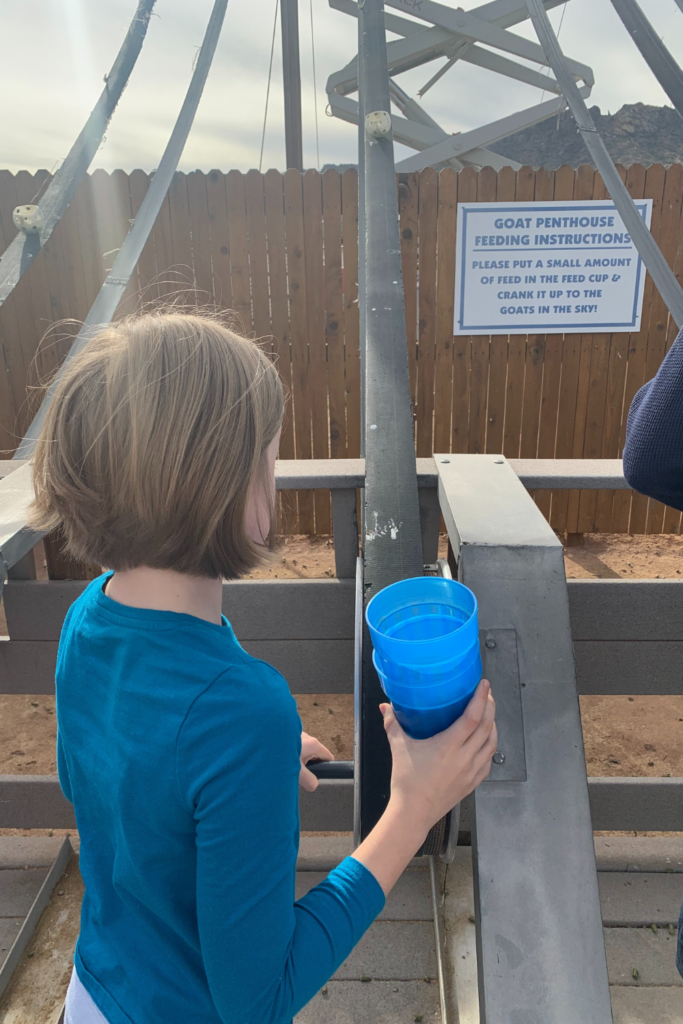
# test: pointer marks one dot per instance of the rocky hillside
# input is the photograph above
(635, 134)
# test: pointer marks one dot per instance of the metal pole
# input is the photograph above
(111, 292)
(23, 249)
(652, 49)
(291, 80)
(392, 546)
(661, 272)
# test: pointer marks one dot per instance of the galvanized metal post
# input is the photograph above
(392, 548)
(291, 80)
(652, 49)
(662, 275)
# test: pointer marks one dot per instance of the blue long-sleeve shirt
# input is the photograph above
(653, 453)
(181, 754)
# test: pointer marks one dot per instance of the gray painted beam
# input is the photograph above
(309, 666)
(28, 666)
(326, 666)
(570, 473)
(642, 805)
(36, 801)
(535, 878)
(626, 609)
(345, 530)
(629, 667)
(257, 609)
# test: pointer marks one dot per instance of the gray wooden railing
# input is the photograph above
(628, 635)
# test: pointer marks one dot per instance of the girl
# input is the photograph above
(178, 749)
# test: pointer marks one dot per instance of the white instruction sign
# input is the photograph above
(547, 267)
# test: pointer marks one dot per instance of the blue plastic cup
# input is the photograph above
(426, 639)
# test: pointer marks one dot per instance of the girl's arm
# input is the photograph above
(265, 954)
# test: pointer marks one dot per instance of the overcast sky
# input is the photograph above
(56, 52)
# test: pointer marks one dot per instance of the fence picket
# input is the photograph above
(427, 214)
(317, 349)
(351, 318)
(296, 264)
(334, 311)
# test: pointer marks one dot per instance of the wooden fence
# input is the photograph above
(281, 250)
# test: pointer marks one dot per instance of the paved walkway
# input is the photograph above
(391, 976)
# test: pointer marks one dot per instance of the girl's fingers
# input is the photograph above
(315, 748)
(388, 715)
(307, 780)
(474, 712)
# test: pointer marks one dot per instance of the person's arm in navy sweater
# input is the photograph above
(653, 454)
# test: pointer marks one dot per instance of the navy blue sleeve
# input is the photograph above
(265, 955)
(653, 453)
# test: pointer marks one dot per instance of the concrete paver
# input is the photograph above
(376, 1002)
(647, 1005)
(652, 955)
(630, 898)
(18, 889)
(393, 950)
(9, 929)
(639, 853)
(322, 853)
(409, 900)
(29, 851)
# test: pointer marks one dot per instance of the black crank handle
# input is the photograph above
(331, 769)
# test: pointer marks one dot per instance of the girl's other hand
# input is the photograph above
(311, 748)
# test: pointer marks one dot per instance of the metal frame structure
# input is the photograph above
(652, 49)
(662, 274)
(455, 35)
(111, 292)
(23, 249)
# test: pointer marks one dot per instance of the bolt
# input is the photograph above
(490, 643)
(444, 460)
(499, 757)
(499, 462)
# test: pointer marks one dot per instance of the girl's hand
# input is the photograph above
(311, 748)
(429, 777)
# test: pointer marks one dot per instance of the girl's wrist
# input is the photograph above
(414, 819)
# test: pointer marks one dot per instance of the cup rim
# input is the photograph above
(432, 640)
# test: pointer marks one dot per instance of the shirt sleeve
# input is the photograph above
(653, 453)
(63, 770)
(265, 955)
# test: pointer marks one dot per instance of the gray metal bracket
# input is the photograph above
(501, 667)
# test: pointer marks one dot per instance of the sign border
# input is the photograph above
(644, 207)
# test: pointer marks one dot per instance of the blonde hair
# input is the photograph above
(156, 434)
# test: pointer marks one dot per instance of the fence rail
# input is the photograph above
(281, 250)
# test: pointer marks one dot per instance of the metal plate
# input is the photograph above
(501, 668)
